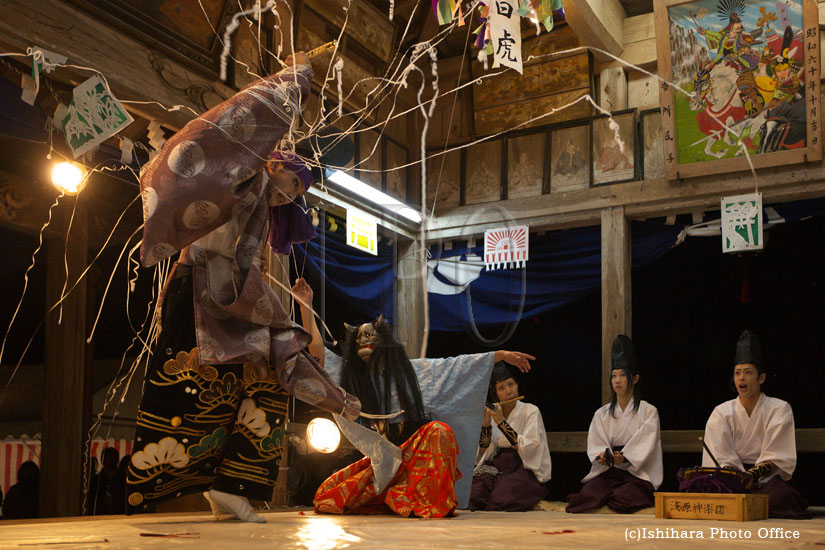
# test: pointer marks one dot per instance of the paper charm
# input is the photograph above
(742, 223)
(506, 247)
(42, 61)
(505, 34)
(362, 231)
(94, 115)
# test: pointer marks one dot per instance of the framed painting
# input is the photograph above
(570, 158)
(743, 84)
(483, 169)
(614, 148)
(653, 156)
(525, 165)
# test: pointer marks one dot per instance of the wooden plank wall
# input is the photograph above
(509, 100)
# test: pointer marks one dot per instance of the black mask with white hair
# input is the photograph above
(375, 364)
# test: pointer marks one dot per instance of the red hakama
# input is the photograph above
(423, 486)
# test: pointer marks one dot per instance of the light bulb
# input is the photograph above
(68, 178)
(323, 435)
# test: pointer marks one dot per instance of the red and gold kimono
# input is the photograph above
(423, 486)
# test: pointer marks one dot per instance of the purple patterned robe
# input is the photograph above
(204, 194)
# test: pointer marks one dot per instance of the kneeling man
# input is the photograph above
(755, 433)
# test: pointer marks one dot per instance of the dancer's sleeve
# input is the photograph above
(214, 164)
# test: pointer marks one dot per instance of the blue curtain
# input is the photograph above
(365, 282)
(563, 266)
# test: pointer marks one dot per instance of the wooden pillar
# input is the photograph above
(613, 89)
(67, 399)
(277, 265)
(616, 290)
(409, 309)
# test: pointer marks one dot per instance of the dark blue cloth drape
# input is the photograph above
(563, 266)
(365, 282)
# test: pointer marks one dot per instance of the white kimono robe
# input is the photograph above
(526, 420)
(636, 432)
(453, 391)
(767, 434)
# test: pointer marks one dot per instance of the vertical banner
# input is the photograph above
(742, 223)
(362, 231)
(505, 34)
(506, 247)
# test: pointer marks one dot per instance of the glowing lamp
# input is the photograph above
(323, 435)
(68, 178)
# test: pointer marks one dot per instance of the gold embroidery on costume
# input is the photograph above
(486, 438)
(508, 432)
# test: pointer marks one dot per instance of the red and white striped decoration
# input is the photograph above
(14, 452)
(506, 247)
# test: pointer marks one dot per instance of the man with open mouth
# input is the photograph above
(755, 433)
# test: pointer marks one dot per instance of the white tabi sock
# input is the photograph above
(233, 504)
(219, 513)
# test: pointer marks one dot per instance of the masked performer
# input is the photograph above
(755, 433)
(227, 356)
(623, 444)
(514, 459)
(450, 391)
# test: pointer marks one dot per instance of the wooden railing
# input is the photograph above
(808, 440)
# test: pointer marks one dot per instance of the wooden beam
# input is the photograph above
(67, 400)
(134, 71)
(642, 91)
(641, 199)
(613, 89)
(616, 290)
(365, 23)
(639, 46)
(409, 325)
(597, 23)
(808, 440)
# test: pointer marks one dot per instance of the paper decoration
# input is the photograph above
(29, 87)
(362, 231)
(505, 34)
(93, 116)
(444, 10)
(742, 223)
(154, 133)
(126, 149)
(506, 247)
(42, 61)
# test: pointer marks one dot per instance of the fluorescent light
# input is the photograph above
(410, 214)
(373, 195)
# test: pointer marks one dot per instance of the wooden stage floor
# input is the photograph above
(304, 530)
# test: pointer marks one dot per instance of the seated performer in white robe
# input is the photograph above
(755, 433)
(450, 390)
(514, 460)
(623, 444)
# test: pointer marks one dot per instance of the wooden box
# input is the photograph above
(730, 507)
